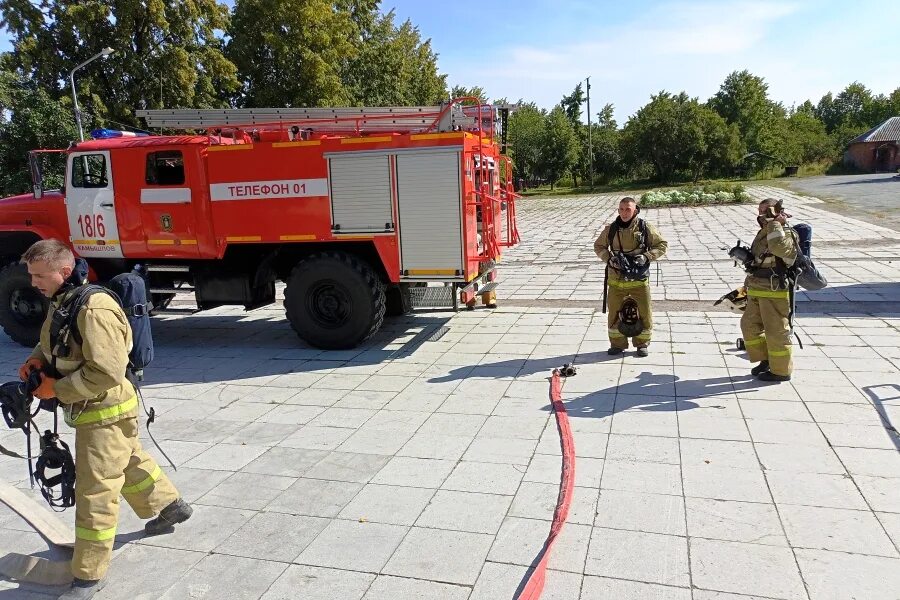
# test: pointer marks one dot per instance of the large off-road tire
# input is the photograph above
(22, 307)
(334, 300)
(398, 300)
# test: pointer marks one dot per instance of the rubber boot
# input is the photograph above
(642, 351)
(770, 376)
(178, 511)
(82, 589)
(760, 368)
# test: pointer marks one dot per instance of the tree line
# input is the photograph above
(201, 54)
(197, 54)
(675, 137)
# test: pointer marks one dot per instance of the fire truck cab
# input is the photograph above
(350, 207)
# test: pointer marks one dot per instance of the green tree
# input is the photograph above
(678, 136)
(827, 113)
(393, 66)
(293, 52)
(805, 139)
(30, 118)
(526, 130)
(571, 105)
(854, 106)
(743, 100)
(559, 146)
(606, 145)
(460, 91)
(167, 52)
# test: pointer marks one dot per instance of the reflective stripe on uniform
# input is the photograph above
(767, 293)
(95, 535)
(615, 333)
(775, 234)
(108, 412)
(143, 485)
(786, 352)
(627, 285)
(754, 341)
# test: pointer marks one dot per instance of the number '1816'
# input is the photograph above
(92, 226)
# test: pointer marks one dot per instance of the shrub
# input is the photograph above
(717, 193)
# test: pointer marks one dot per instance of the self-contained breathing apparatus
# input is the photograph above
(802, 272)
(16, 399)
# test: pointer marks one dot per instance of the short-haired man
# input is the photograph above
(765, 323)
(89, 381)
(633, 240)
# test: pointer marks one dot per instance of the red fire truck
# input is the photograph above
(350, 207)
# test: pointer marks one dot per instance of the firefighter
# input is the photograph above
(765, 323)
(97, 399)
(627, 246)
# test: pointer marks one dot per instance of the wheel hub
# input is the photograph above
(330, 304)
(26, 305)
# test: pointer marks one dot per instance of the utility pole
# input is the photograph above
(590, 145)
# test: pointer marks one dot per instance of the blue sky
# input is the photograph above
(539, 49)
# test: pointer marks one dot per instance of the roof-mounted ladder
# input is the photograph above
(384, 119)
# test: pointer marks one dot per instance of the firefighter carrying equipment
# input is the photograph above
(766, 324)
(630, 323)
(102, 405)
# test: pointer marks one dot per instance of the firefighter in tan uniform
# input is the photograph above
(640, 243)
(766, 321)
(101, 404)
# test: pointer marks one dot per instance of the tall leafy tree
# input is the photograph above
(679, 137)
(744, 101)
(461, 91)
(393, 66)
(167, 52)
(606, 145)
(571, 104)
(30, 118)
(526, 129)
(559, 146)
(292, 52)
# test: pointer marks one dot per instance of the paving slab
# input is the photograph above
(430, 469)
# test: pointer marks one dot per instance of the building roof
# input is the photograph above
(889, 131)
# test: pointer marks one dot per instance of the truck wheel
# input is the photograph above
(334, 300)
(398, 300)
(22, 307)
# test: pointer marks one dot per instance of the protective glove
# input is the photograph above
(31, 363)
(47, 389)
(614, 262)
(640, 260)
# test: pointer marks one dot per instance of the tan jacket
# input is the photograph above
(772, 240)
(93, 389)
(628, 240)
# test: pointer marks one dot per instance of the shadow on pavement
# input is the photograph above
(881, 394)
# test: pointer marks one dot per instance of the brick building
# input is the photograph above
(877, 149)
